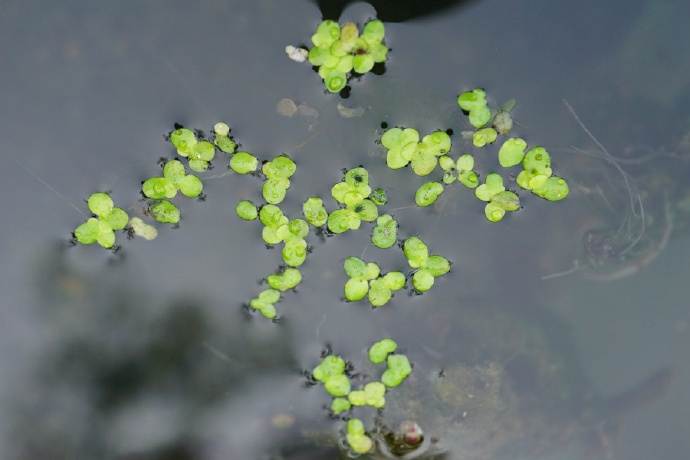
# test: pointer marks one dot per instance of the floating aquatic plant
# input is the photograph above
(474, 102)
(398, 369)
(265, 301)
(427, 193)
(338, 51)
(373, 394)
(314, 211)
(101, 229)
(428, 267)
(357, 438)
(199, 152)
(385, 234)
(381, 349)
(222, 138)
(142, 229)
(499, 199)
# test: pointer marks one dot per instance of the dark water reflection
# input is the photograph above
(149, 354)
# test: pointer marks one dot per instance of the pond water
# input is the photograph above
(150, 353)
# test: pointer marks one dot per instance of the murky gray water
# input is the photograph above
(150, 354)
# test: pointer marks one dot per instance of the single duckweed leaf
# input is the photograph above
(342, 220)
(415, 251)
(373, 271)
(394, 280)
(314, 211)
(398, 369)
(246, 210)
(363, 63)
(330, 366)
(469, 179)
(379, 293)
(339, 190)
(142, 229)
(503, 121)
(379, 197)
(436, 265)
(340, 405)
(198, 165)
(381, 349)
(338, 385)
(366, 210)
(87, 233)
(173, 171)
(379, 52)
(271, 216)
(269, 296)
(268, 311)
(165, 212)
(480, 116)
(423, 162)
(446, 162)
(355, 267)
(512, 152)
(373, 32)
(355, 426)
(360, 444)
(281, 166)
(422, 280)
(484, 136)
(318, 56)
(385, 234)
(465, 163)
(427, 193)
(298, 228)
(184, 140)
(471, 100)
(357, 178)
(398, 138)
(326, 34)
(493, 212)
(295, 252)
(106, 236)
(356, 288)
(225, 144)
(450, 176)
(506, 200)
(243, 163)
(335, 80)
(395, 158)
(270, 236)
(221, 129)
(117, 219)
(274, 190)
(437, 143)
(190, 186)
(202, 151)
(537, 161)
(553, 189)
(100, 204)
(492, 185)
(339, 221)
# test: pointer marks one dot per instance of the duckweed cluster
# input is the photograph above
(339, 51)
(101, 228)
(334, 373)
(404, 148)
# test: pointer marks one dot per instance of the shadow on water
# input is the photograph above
(391, 10)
